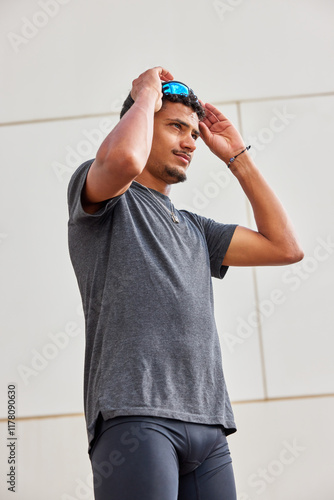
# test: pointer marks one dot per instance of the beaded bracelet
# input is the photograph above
(236, 156)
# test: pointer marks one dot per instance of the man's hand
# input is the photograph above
(219, 134)
(150, 80)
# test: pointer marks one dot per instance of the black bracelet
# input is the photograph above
(236, 156)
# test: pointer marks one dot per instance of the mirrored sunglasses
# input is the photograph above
(176, 88)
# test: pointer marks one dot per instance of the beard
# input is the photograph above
(175, 174)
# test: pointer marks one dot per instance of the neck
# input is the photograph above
(146, 179)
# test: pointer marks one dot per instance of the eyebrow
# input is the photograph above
(185, 124)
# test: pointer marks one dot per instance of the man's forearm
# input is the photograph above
(131, 139)
(271, 218)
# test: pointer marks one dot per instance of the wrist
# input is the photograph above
(237, 155)
(243, 165)
(147, 93)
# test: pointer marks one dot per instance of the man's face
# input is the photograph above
(174, 142)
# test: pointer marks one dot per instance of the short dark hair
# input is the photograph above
(189, 100)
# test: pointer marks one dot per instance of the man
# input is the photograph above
(156, 405)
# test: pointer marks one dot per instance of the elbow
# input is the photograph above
(293, 255)
(130, 163)
(124, 161)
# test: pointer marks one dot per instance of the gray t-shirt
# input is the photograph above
(152, 346)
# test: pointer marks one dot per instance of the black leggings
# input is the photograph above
(153, 458)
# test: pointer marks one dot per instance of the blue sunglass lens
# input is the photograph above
(175, 88)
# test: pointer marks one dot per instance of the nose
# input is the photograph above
(188, 142)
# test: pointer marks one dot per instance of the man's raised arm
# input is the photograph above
(124, 152)
(275, 242)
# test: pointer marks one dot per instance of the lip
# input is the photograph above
(183, 157)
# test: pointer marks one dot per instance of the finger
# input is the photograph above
(211, 116)
(204, 130)
(164, 74)
(207, 122)
(215, 111)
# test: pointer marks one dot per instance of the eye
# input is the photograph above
(177, 125)
(195, 137)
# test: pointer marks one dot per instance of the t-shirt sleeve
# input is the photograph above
(218, 237)
(76, 184)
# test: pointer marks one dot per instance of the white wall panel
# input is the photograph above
(298, 332)
(283, 450)
(73, 58)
